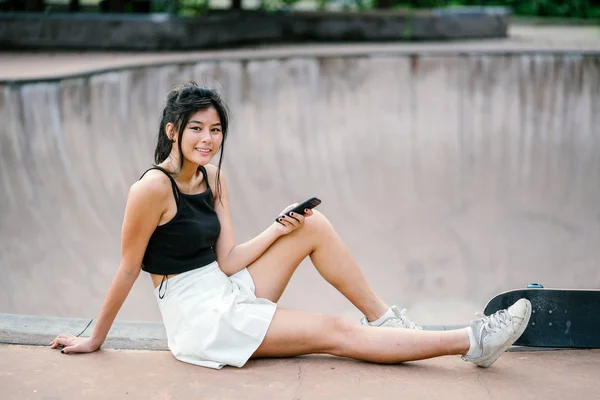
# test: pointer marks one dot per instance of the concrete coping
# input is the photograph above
(67, 66)
(124, 335)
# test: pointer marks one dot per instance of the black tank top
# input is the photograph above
(187, 241)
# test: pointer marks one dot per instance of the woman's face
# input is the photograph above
(202, 137)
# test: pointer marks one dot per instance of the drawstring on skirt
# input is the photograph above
(165, 281)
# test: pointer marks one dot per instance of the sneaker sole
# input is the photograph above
(490, 360)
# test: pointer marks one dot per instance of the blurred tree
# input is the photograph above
(120, 6)
(542, 8)
(34, 5)
(112, 5)
(384, 4)
(192, 7)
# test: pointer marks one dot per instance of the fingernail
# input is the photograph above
(62, 351)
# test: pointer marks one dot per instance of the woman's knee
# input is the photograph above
(317, 222)
(341, 331)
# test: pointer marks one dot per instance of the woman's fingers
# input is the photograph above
(285, 220)
(294, 220)
(54, 343)
(81, 345)
(72, 349)
(61, 340)
(73, 344)
(288, 208)
(298, 218)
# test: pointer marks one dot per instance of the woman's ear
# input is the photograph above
(170, 131)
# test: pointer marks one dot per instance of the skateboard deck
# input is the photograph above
(559, 317)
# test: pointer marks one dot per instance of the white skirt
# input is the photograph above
(213, 320)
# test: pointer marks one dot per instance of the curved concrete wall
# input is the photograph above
(451, 178)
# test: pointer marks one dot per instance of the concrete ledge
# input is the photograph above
(40, 330)
(228, 29)
(132, 335)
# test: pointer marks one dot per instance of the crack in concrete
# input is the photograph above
(484, 386)
(299, 380)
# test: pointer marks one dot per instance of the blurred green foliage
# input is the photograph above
(542, 8)
(581, 9)
(192, 7)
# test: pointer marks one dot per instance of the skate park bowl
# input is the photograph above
(451, 176)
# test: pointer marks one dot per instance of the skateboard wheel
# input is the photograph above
(535, 286)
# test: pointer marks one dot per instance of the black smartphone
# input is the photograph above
(299, 209)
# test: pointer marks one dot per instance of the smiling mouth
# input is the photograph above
(205, 151)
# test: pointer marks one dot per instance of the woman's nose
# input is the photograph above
(205, 137)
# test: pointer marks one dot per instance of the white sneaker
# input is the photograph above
(392, 318)
(490, 336)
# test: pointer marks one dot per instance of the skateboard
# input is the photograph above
(559, 317)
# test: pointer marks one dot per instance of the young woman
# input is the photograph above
(218, 299)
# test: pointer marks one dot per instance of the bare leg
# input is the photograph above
(332, 259)
(294, 333)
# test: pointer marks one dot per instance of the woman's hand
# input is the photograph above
(74, 344)
(286, 224)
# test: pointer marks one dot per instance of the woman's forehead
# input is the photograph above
(206, 116)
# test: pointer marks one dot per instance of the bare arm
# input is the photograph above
(145, 206)
(233, 257)
(115, 297)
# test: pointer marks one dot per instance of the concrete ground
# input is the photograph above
(40, 373)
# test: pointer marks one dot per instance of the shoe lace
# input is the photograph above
(406, 322)
(494, 322)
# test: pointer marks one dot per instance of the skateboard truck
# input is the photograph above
(535, 286)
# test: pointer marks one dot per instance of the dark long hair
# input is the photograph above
(182, 102)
